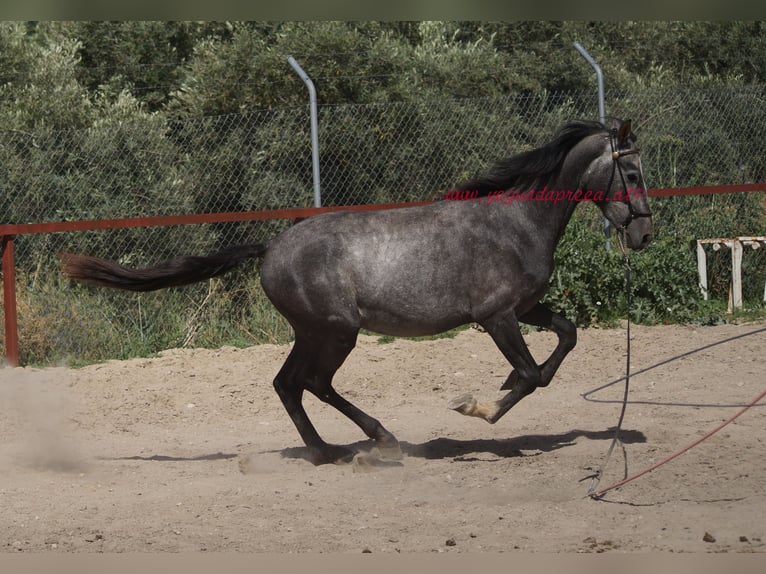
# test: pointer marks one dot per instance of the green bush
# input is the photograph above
(588, 285)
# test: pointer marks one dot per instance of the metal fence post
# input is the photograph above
(599, 79)
(314, 128)
(601, 116)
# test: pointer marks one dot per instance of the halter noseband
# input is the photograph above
(616, 155)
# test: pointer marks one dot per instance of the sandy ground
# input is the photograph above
(192, 451)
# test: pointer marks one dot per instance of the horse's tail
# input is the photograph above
(172, 273)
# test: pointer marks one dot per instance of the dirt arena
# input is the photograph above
(192, 451)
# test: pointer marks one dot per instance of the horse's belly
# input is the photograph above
(404, 321)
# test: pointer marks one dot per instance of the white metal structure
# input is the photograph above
(737, 245)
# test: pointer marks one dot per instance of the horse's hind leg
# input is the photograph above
(311, 366)
(328, 357)
(289, 384)
(566, 331)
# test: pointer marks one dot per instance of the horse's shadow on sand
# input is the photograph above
(464, 450)
(441, 448)
(167, 458)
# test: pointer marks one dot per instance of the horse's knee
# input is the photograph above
(567, 332)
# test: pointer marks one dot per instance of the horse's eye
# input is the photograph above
(632, 177)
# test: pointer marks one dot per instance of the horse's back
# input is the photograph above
(390, 267)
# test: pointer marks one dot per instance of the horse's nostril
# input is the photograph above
(646, 239)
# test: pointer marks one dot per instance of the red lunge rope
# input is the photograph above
(601, 492)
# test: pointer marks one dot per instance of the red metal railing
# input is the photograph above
(9, 231)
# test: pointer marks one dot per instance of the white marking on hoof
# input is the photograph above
(464, 404)
(467, 405)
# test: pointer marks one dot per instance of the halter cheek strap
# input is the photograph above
(616, 167)
(619, 153)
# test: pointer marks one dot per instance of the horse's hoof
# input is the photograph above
(464, 404)
(331, 454)
(389, 452)
(363, 462)
(370, 461)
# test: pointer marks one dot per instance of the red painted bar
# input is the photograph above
(706, 190)
(297, 213)
(225, 217)
(9, 302)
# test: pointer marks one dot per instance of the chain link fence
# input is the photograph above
(373, 153)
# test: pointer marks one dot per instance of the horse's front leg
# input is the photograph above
(505, 331)
(541, 316)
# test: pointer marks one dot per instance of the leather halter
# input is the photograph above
(616, 155)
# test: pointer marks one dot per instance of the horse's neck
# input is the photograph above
(549, 208)
(544, 209)
(564, 188)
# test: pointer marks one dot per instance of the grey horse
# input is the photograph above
(484, 259)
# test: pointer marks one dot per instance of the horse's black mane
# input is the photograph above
(535, 167)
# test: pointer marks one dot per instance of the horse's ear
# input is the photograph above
(623, 133)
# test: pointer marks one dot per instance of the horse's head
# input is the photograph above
(617, 181)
